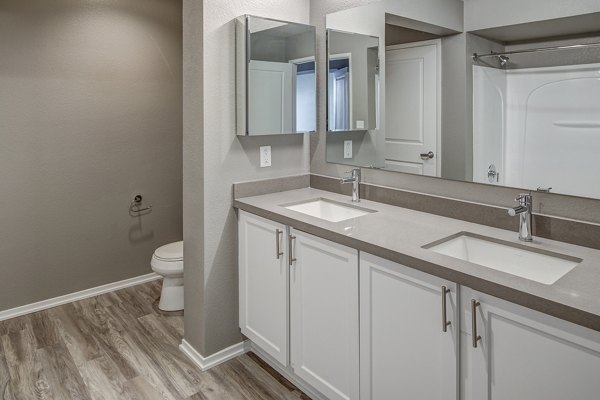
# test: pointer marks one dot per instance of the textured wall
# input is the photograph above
(90, 113)
(211, 318)
(482, 14)
(193, 169)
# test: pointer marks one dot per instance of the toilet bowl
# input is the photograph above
(167, 261)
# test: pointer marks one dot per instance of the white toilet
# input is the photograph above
(167, 261)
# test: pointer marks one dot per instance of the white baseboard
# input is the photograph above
(69, 298)
(205, 363)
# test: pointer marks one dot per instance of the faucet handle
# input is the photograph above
(517, 210)
(524, 196)
(354, 172)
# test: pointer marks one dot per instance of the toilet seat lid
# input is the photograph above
(170, 252)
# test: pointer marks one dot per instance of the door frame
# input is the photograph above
(438, 69)
(339, 56)
(295, 63)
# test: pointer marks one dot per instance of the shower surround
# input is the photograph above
(528, 123)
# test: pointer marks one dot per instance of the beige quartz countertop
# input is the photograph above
(398, 234)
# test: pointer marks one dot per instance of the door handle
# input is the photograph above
(474, 336)
(291, 249)
(278, 252)
(427, 156)
(445, 322)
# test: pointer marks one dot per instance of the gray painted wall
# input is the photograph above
(216, 158)
(90, 113)
(266, 47)
(193, 169)
(554, 58)
(395, 34)
(456, 148)
(483, 14)
(364, 148)
(301, 46)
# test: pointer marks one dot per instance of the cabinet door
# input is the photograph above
(263, 275)
(324, 315)
(405, 353)
(524, 354)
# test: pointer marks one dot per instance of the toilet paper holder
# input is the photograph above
(135, 207)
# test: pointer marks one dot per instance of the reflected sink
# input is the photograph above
(535, 264)
(328, 210)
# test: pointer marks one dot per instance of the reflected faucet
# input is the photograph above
(523, 210)
(354, 179)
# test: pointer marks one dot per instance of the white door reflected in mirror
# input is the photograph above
(413, 91)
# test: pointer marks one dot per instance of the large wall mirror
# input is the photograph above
(491, 100)
(275, 77)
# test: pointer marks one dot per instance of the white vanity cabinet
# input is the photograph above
(324, 315)
(299, 303)
(524, 354)
(263, 284)
(409, 333)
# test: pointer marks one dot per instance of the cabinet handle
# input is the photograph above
(291, 249)
(445, 322)
(278, 252)
(475, 337)
(427, 156)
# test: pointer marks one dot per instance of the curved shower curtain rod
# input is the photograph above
(572, 46)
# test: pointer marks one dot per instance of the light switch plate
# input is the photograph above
(360, 124)
(347, 148)
(265, 156)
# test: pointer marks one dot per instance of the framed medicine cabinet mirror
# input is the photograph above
(352, 81)
(275, 77)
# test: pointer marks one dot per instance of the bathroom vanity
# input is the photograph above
(369, 307)
(371, 301)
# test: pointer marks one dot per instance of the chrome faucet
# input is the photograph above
(523, 210)
(354, 178)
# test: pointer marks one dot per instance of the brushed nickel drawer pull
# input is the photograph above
(445, 322)
(278, 252)
(291, 249)
(475, 337)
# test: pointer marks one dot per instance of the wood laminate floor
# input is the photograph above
(120, 346)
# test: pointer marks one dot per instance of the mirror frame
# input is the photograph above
(242, 62)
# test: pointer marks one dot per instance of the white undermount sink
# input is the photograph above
(328, 210)
(529, 263)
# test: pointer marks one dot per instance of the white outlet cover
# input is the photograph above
(347, 148)
(360, 124)
(265, 156)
